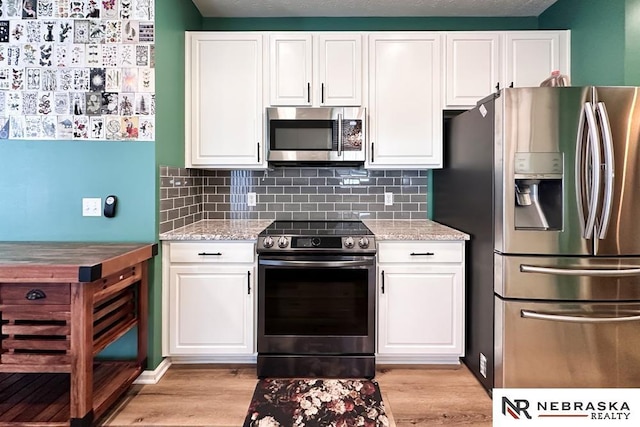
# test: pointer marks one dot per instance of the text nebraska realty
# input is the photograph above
(596, 410)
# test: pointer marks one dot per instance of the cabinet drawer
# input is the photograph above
(34, 294)
(420, 252)
(212, 252)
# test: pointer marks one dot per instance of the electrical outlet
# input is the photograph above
(388, 199)
(91, 206)
(251, 199)
(483, 365)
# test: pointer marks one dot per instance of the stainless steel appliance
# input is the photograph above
(316, 300)
(316, 135)
(545, 180)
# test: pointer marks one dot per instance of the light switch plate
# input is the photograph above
(388, 199)
(91, 206)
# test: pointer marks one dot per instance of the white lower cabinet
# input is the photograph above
(420, 302)
(209, 296)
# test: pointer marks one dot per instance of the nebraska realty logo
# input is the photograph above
(566, 407)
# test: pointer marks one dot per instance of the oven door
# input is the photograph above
(316, 304)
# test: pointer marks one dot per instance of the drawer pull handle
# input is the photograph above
(35, 294)
(210, 253)
(422, 254)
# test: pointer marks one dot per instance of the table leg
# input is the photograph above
(81, 392)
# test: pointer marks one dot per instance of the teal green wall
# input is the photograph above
(597, 38)
(42, 184)
(173, 18)
(632, 43)
(368, 24)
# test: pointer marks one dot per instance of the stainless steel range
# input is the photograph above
(316, 300)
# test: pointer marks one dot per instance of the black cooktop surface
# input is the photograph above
(316, 228)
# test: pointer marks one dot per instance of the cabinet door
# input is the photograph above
(531, 56)
(472, 67)
(339, 69)
(290, 69)
(405, 115)
(420, 310)
(211, 310)
(224, 123)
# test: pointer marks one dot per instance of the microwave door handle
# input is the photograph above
(340, 140)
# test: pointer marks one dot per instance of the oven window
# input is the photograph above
(316, 135)
(316, 302)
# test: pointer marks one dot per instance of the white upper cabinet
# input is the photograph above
(477, 63)
(290, 69)
(405, 115)
(340, 69)
(472, 64)
(224, 107)
(531, 56)
(318, 70)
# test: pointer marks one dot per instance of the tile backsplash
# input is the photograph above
(306, 193)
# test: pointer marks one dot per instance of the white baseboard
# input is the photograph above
(152, 377)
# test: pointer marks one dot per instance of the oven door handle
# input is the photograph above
(319, 264)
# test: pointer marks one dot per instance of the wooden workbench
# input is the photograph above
(60, 305)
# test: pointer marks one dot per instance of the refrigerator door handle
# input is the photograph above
(620, 272)
(594, 173)
(607, 137)
(580, 170)
(576, 319)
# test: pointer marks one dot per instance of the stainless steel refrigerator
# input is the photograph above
(547, 183)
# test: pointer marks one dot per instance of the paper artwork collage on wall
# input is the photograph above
(77, 69)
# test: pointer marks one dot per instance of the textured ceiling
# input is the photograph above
(294, 8)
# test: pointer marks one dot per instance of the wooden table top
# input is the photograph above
(68, 261)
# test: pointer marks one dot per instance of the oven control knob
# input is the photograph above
(283, 242)
(267, 242)
(363, 242)
(348, 242)
(315, 242)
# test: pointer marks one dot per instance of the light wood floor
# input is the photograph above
(218, 396)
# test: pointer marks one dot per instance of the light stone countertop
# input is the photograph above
(412, 229)
(248, 229)
(219, 229)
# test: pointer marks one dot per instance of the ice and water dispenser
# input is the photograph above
(538, 191)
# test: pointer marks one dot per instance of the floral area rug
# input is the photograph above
(316, 403)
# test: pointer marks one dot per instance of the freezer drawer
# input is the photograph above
(540, 344)
(567, 278)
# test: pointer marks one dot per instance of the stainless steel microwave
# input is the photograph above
(316, 135)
